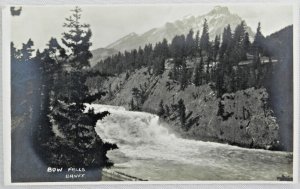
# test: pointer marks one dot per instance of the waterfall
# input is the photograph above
(147, 148)
(130, 127)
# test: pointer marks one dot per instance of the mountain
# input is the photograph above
(100, 54)
(217, 19)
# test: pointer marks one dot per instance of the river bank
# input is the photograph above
(243, 118)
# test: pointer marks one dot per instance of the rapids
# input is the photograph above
(148, 150)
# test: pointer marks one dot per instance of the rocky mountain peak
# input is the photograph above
(219, 10)
(218, 18)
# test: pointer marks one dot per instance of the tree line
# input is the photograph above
(198, 60)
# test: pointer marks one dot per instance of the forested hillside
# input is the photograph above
(227, 64)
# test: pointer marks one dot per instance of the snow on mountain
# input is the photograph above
(217, 19)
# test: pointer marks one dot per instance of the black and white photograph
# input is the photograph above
(151, 92)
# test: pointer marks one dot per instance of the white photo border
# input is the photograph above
(5, 90)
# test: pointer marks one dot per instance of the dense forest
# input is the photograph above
(49, 92)
(230, 62)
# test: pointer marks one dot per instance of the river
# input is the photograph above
(149, 151)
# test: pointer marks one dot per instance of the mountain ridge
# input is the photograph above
(218, 18)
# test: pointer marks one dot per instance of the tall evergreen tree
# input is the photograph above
(198, 73)
(181, 112)
(26, 51)
(196, 44)
(77, 143)
(246, 45)
(216, 47)
(259, 41)
(165, 49)
(238, 52)
(226, 42)
(178, 49)
(190, 43)
(204, 40)
(161, 110)
(184, 77)
(77, 39)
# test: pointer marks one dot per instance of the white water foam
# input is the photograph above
(142, 140)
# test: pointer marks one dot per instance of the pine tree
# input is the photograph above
(23, 78)
(174, 73)
(223, 61)
(158, 66)
(220, 80)
(209, 59)
(24, 72)
(197, 75)
(136, 93)
(204, 40)
(178, 49)
(139, 58)
(257, 67)
(258, 47)
(14, 59)
(216, 47)
(181, 112)
(161, 110)
(80, 145)
(49, 65)
(201, 67)
(196, 44)
(77, 39)
(184, 77)
(237, 53)
(226, 42)
(246, 45)
(165, 49)
(259, 41)
(26, 51)
(190, 43)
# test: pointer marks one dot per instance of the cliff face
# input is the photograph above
(242, 118)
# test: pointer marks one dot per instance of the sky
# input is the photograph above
(109, 23)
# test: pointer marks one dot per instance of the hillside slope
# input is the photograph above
(242, 118)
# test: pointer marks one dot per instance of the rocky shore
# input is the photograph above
(243, 118)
